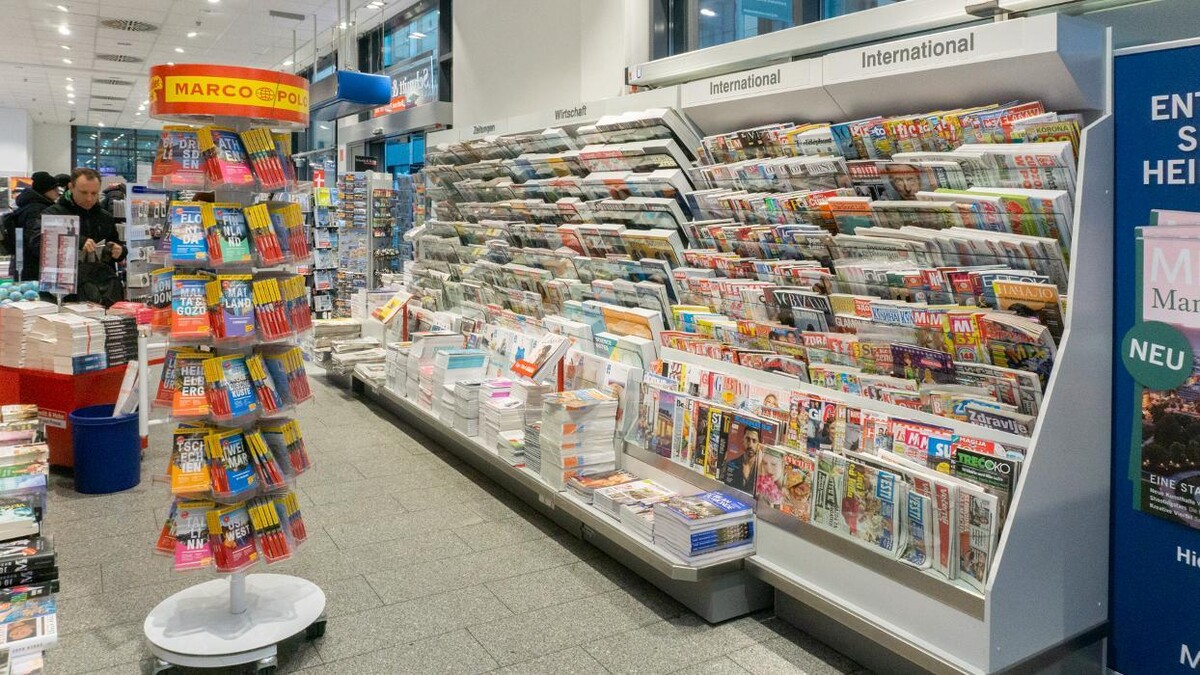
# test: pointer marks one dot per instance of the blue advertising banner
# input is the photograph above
(1156, 424)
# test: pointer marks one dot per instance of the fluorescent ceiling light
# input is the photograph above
(64, 29)
(67, 61)
(707, 12)
(62, 8)
(192, 34)
(417, 35)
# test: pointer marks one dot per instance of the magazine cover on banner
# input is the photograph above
(1156, 442)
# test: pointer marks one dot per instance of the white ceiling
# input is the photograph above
(33, 75)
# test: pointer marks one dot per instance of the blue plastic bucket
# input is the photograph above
(108, 450)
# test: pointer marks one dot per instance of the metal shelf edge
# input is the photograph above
(929, 585)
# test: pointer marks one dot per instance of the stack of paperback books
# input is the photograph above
(466, 406)
(705, 528)
(67, 344)
(89, 310)
(498, 415)
(530, 394)
(16, 322)
(577, 434)
(511, 447)
(397, 367)
(609, 500)
(421, 355)
(450, 366)
(585, 486)
(28, 570)
(120, 339)
(533, 446)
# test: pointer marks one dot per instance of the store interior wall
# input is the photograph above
(52, 148)
(534, 55)
(16, 142)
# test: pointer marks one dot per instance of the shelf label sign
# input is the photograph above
(190, 90)
(1156, 406)
(766, 80)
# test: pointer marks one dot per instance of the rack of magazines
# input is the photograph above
(878, 328)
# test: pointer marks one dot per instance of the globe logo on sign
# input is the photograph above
(266, 93)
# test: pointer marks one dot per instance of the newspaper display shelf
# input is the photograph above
(716, 592)
(238, 620)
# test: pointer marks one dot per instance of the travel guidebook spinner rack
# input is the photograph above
(232, 309)
(1050, 555)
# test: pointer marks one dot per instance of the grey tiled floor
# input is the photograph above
(428, 567)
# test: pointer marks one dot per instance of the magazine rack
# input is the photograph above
(239, 620)
(1047, 593)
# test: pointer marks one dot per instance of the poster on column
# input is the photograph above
(1156, 423)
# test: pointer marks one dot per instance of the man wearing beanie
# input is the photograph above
(28, 218)
(99, 243)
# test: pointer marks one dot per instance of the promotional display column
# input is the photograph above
(1156, 411)
(233, 375)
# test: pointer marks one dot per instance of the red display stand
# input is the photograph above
(56, 396)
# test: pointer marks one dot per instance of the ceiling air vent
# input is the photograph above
(98, 97)
(112, 81)
(104, 110)
(118, 58)
(131, 25)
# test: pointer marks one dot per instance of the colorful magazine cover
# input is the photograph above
(870, 507)
(978, 527)
(188, 226)
(799, 480)
(1164, 470)
(738, 467)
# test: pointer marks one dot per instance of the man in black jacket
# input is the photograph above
(99, 243)
(30, 204)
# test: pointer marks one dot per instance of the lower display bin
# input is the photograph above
(56, 396)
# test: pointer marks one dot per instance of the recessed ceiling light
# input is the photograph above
(67, 61)
(179, 50)
(325, 126)
(192, 34)
(70, 79)
(100, 124)
(417, 35)
(66, 47)
(137, 113)
(70, 95)
(62, 8)
(213, 2)
(146, 102)
(64, 29)
(343, 25)
(288, 62)
(170, 63)
(70, 87)
(707, 12)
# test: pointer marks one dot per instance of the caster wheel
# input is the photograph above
(268, 670)
(160, 667)
(315, 631)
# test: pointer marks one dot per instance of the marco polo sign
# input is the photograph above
(192, 91)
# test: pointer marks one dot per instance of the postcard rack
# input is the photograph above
(1047, 595)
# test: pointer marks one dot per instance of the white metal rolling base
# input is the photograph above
(222, 623)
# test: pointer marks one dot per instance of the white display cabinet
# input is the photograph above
(1048, 589)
